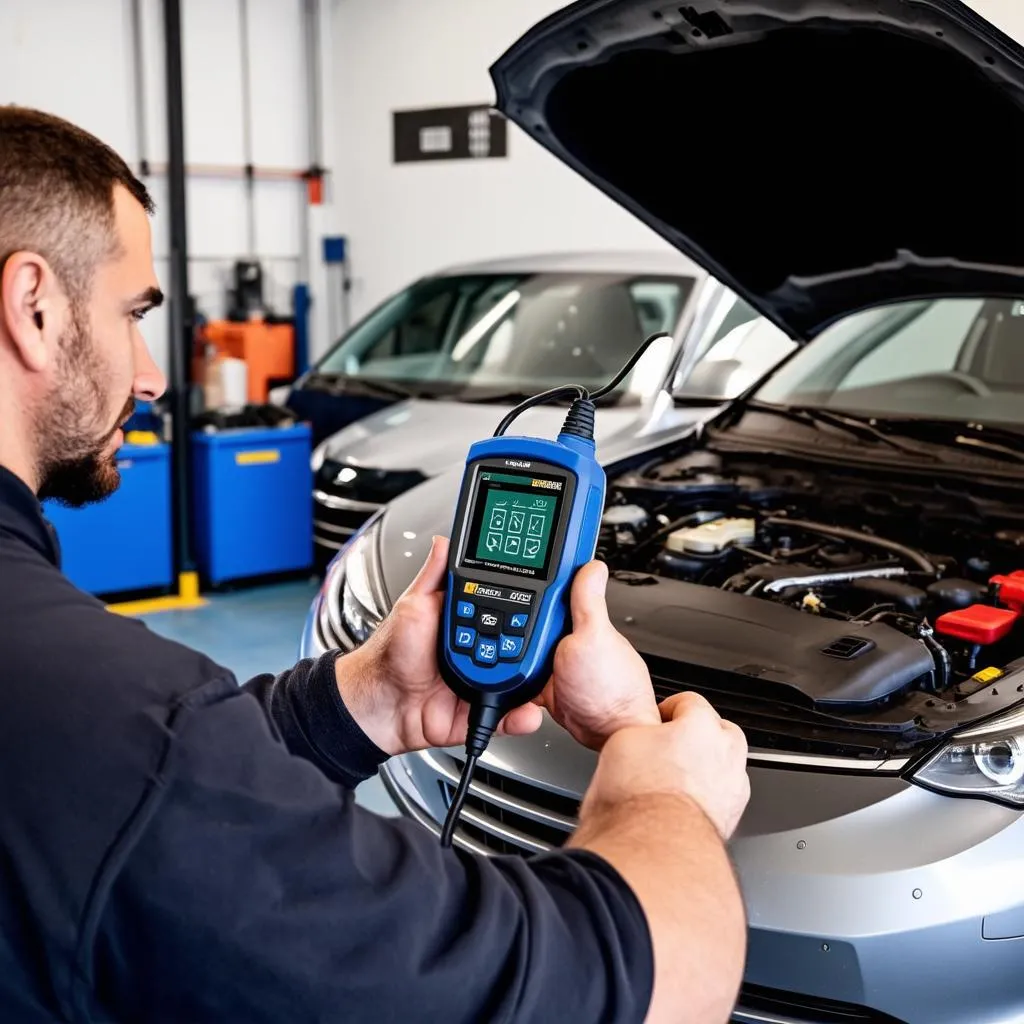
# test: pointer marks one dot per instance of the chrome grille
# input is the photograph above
(504, 814)
(336, 518)
(760, 1005)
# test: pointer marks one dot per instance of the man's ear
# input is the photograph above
(31, 304)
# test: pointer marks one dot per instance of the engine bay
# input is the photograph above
(875, 608)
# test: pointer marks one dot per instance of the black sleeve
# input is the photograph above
(307, 712)
(258, 891)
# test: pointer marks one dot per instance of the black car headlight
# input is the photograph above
(353, 600)
(983, 761)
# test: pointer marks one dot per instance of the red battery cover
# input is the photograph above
(978, 624)
(1010, 589)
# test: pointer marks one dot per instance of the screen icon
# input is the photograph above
(531, 547)
(494, 542)
(512, 545)
(497, 519)
(515, 523)
(536, 527)
(540, 503)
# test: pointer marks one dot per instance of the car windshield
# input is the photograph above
(487, 334)
(948, 359)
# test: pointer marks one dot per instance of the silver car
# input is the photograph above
(468, 343)
(836, 559)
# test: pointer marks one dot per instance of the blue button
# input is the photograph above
(518, 621)
(464, 636)
(510, 647)
(466, 610)
(487, 651)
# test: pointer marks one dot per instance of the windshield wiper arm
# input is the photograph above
(977, 436)
(814, 417)
(374, 386)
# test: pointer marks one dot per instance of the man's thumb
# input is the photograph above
(431, 575)
(587, 599)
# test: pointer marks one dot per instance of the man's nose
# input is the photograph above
(149, 383)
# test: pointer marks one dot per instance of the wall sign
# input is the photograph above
(449, 133)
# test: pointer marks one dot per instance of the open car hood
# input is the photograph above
(818, 156)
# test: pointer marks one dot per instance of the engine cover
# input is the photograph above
(765, 646)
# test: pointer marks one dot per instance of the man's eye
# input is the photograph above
(139, 314)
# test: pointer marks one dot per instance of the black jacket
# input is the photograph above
(174, 847)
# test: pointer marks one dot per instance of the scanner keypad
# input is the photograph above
(491, 623)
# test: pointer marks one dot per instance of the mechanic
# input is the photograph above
(177, 847)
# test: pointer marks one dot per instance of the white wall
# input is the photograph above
(74, 59)
(406, 219)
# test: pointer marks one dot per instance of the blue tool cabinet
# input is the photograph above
(252, 502)
(123, 543)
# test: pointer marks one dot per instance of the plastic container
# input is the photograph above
(121, 544)
(252, 502)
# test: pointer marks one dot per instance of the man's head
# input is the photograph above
(76, 277)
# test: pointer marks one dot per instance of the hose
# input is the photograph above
(842, 533)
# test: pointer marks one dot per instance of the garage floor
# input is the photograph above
(250, 632)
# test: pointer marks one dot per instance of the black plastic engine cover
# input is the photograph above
(769, 648)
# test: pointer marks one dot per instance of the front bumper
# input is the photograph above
(869, 898)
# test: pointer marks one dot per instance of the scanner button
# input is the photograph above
(510, 647)
(488, 622)
(517, 622)
(465, 610)
(486, 651)
(464, 636)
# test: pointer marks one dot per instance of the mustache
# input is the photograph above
(126, 414)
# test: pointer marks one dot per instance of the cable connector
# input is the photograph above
(484, 718)
(579, 420)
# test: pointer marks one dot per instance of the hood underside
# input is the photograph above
(818, 156)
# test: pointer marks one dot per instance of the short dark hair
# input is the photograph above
(57, 194)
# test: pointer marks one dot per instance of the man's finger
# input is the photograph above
(587, 597)
(431, 574)
(688, 703)
(522, 721)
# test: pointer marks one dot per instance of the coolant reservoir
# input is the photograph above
(710, 538)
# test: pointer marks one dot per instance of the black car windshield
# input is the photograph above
(490, 334)
(946, 359)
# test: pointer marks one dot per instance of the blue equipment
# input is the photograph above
(528, 516)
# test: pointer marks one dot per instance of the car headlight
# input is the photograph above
(984, 761)
(353, 601)
(316, 460)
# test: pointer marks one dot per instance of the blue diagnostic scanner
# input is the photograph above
(528, 517)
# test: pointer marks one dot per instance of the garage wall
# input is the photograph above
(74, 58)
(411, 218)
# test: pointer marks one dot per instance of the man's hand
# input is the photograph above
(659, 808)
(391, 684)
(695, 755)
(599, 684)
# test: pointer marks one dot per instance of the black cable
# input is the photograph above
(455, 807)
(582, 395)
(544, 396)
(630, 363)
(485, 715)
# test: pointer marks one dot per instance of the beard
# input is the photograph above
(75, 464)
